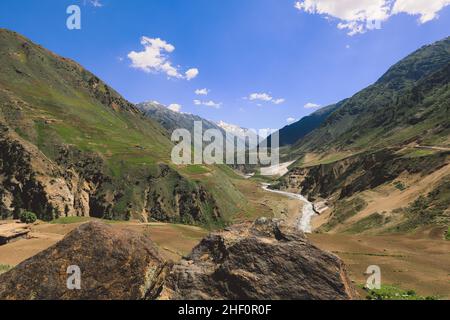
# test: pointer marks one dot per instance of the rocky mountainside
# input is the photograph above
(71, 145)
(172, 120)
(390, 141)
(242, 262)
(410, 102)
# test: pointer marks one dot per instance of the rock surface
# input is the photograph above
(266, 260)
(114, 264)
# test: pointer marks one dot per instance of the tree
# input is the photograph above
(28, 217)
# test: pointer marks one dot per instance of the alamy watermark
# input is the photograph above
(374, 280)
(74, 279)
(73, 22)
(213, 146)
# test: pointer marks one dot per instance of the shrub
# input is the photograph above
(393, 293)
(28, 217)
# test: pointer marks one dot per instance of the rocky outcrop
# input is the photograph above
(344, 178)
(30, 180)
(113, 264)
(79, 183)
(170, 197)
(264, 260)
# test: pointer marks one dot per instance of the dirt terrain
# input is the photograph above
(173, 240)
(419, 262)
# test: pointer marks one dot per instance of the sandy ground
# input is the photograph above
(174, 240)
(415, 262)
(278, 170)
(388, 198)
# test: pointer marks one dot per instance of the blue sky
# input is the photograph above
(286, 57)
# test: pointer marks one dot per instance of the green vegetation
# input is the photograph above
(81, 124)
(343, 211)
(28, 217)
(195, 169)
(417, 153)
(70, 220)
(371, 222)
(399, 185)
(394, 293)
(427, 210)
(447, 235)
(408, 103)
(4, 268)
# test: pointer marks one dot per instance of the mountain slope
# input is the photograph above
(380, 150)
(408, 103)
(292, 133)
(71, 145)
(172, 120)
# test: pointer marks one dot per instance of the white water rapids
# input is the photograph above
(305, 217)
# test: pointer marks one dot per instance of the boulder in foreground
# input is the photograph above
(114, 265)
(266, 261)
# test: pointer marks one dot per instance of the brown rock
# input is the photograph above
(266, 260)
(114, 265)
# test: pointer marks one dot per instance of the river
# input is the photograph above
(305, 217)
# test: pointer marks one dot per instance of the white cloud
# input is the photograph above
(265, 97)
(291, 120)
(278, 101)
(209, 103)
(357, 16)
(155, 59)
(427, 10)
(192, 73)
(174, 107)
(202, 92)
(311, 105)
(96, 3)
(260, 96)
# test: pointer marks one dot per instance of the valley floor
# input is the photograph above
(173, 240)
(420, 262)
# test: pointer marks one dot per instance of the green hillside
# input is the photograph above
(410, 103)
(71, 145)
